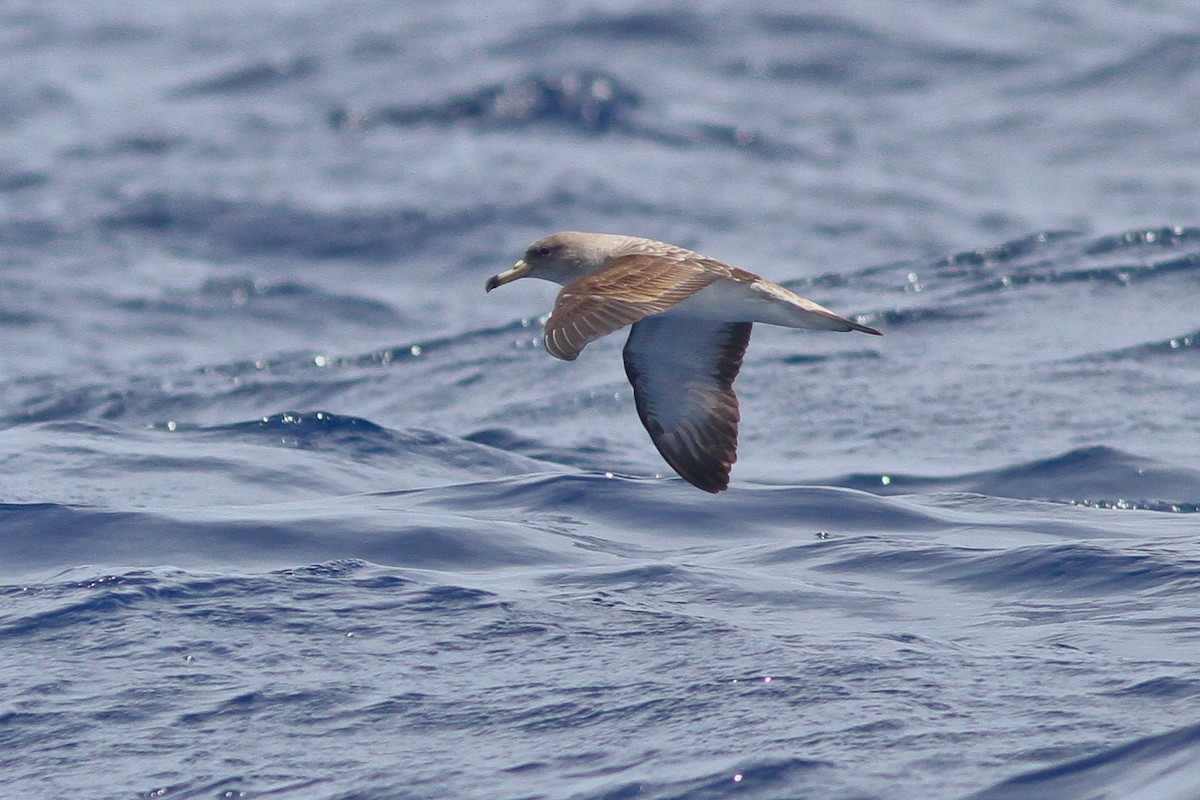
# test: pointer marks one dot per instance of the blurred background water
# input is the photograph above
(292, 509)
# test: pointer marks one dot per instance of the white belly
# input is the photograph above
(758, 301)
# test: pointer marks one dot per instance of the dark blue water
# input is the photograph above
(290, 508)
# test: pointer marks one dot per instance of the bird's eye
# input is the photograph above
(543, 251)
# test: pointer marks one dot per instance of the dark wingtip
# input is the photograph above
(866, 329)
(712, 478)
(712, 487)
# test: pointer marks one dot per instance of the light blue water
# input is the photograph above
(290, 508)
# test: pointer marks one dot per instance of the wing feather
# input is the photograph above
(682, 371)
(631, 288)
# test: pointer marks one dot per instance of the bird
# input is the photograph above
(690, 318)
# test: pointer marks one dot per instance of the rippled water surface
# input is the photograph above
(290, 508)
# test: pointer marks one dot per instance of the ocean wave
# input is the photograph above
(457, 488)
(16, 179)
(1163, 767)
(754, 779)
(223, 227)
(589, 101)
(1097, 476)
(359, 439)
(258, 76)
(244, 387)
(583, 101)
(1057, 257)
(264, 536)
(966, 285)
(284, 300)
(1166, 62)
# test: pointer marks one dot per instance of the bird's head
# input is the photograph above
(560, 257)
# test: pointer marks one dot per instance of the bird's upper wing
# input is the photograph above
(682, 371)
(631, 288)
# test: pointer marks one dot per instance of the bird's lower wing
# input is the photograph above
(631, 288)
(682, 371)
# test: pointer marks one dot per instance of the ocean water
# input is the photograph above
(290, 508)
